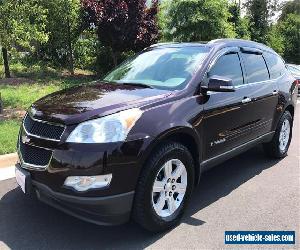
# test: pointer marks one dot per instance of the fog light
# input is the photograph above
(84, 183)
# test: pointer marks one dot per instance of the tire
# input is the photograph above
(146, 211)
(274, 148)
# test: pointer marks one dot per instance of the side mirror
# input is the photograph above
(219, 84)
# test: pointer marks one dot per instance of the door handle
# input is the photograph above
(275, 92)
(246, 100)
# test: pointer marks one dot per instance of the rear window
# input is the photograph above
(256, 68)
(275, 65)
(294, 70)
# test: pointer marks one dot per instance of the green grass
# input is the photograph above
(34, 71)
(30, 84)
(24, 95)
(27, 86)
(8, 136)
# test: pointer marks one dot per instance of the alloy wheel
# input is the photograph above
(284, 135)
(169, 188)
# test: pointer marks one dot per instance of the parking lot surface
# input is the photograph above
(248, 192)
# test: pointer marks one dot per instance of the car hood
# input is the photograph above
(89, 101)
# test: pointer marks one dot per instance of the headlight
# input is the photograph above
(111, 128)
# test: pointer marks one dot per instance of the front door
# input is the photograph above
(228, 116)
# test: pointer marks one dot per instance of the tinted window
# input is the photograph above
(255, 67)
(275, 65)
(228, 66)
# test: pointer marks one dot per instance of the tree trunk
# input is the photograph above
(71, 58)
(6, 64)
(114, 56)
(70, 47)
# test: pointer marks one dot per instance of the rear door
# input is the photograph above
(262, 91)
(278, 75)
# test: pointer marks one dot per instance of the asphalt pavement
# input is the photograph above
(248, 192)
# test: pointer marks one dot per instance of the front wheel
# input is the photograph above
(164, 188)
(280, 143)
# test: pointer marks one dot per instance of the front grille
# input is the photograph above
(43, 129)
(34, 156)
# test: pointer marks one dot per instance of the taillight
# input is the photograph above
(297, 82)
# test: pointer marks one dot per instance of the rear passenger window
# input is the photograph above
(228, 66)
(255, 67)
(275, 65)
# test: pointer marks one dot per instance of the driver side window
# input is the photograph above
(228, 66)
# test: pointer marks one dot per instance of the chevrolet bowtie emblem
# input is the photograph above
(25, 139)
(33, 111)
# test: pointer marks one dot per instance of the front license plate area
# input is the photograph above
(23, 179)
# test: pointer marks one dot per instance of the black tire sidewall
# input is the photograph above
(153, 221)
(286, 116)
(272, 148)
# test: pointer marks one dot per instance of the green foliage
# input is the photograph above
(275, 39)
(240, 24)
(22, 23)
(260, 14)
(290, 30)
(34, 71)
(163, 20)
(85, 51)
(195, 20)
(257, 12)
(290, 7)
(64, 25)
(8, 136)
(104, 63)
(242, 29)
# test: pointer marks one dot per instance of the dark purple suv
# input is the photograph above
(135, 143)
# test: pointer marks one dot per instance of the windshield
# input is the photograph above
(167, 68)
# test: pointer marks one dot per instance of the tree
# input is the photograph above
(21, 24)
(64, 25)
(257, 11)
(241, 24)
(290, 7)
(275, 39)
(123, 25)
(196, 20)
(290, 30)
(260, 13)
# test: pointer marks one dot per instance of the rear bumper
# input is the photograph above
(108, 210)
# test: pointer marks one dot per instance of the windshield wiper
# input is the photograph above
(138, 85)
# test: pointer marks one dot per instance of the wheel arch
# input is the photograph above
(183, 135)
(291, 109)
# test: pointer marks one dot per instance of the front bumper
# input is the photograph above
(121, 159)
(49, 163)
(108, 210)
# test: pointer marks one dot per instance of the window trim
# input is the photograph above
(223, 52)
(251, 50)
(254, 83)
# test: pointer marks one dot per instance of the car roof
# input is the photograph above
(217, 43)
